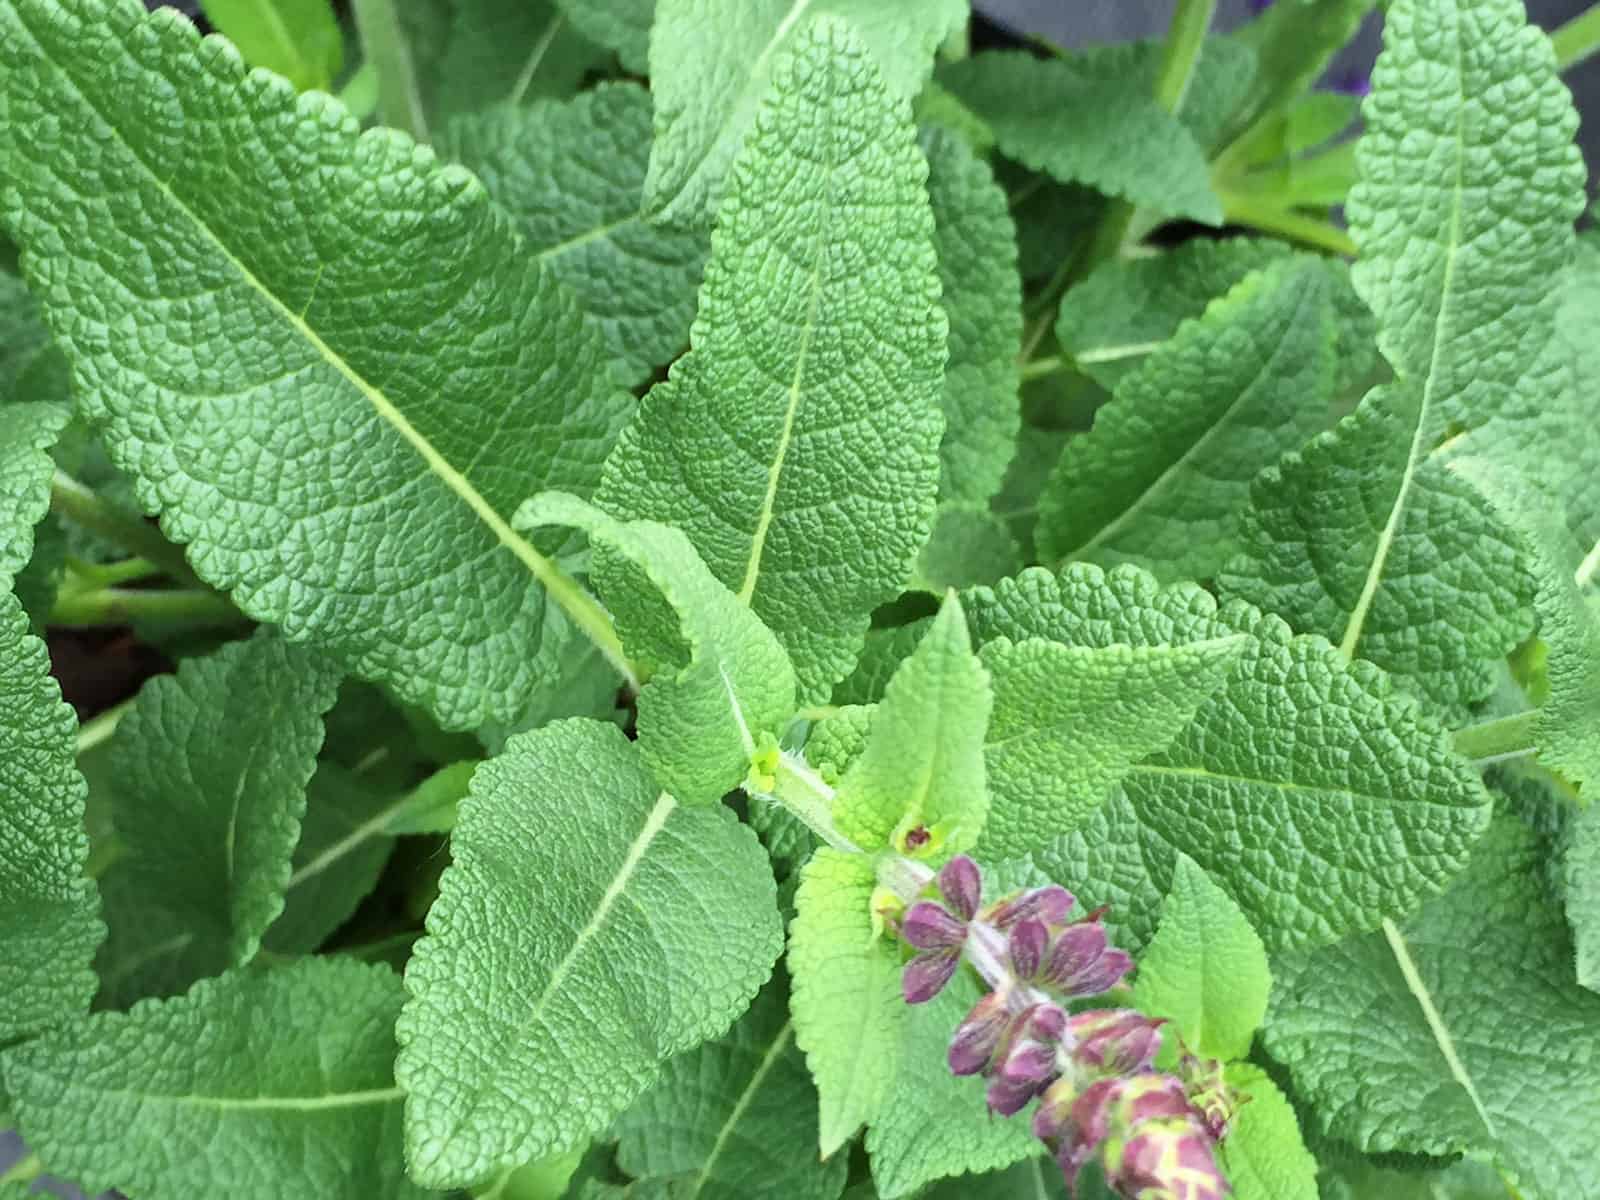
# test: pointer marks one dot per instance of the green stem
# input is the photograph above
(1041, 367)
(1577, 39)
(1502, 737)
(1269, 218)
(24, 1170)
(806, 795)
(102, 855)
(79, 504)
(378, 949)
(120, 606)
(385, 48)
(99, 728)
(129, 570)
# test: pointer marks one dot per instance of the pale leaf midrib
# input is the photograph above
(768, 1061)
(457, 483)
(388, 1095)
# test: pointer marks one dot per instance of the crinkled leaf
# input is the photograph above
(23, 336)
(735, 1118)
(1481, 1042)
(299, 39)
(209, 770)
(587, 929)
(1581, 870)
(848, 1015)
(1205, 969)
(718, 675)
(571, 175)
(325, 478)
(1070, 721)
(1085, 118)
(1036, 1179)
(884, 651)
(1264, 1156)
(969, 545)
(977, 245)
(27, 432)
(620, 25)
(836, 741)
(922, 769)
(52, 921)
(1161, 477)
(797, 443)
(256, 1084)
(712, 61)
(1310, 845)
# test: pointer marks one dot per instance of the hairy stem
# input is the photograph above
(805, 794)
(1503, 737)
(79, 504)
(1578, 38)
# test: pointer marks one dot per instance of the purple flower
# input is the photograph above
(961, 885)
(1028, 944)
(939, 936)
(1048, 904)
(979, 1035)
(1166, 1158)
(1081, 963)
(1115, 1041)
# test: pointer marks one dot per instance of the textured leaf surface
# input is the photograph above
(210, 769)
(1087, 119)
(977, 246)
(1264, 1156)
(968, 546)
(797, 443)
(1362, 538)
(23, 337)
(734, 1118)
(52, 923)
(1037, 1179)
(288, 390)
(1581, 871)
(718, 675)
(1163, 474)
(1205, 969)
(1294, 42)
(250, 1084)
(848, 1015)
(579, 939)
(299, 39)
(620, 25)
(1490, 1047)
(1309, 844)
(922, 767)
(571, 175)
(1070, 721)
(27, 431)
(712, 61)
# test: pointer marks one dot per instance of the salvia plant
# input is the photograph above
(750, 600)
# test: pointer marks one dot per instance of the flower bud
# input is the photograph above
(1028, 944)
(1027, 1069)
(1115, 1041)
(1048, 904)
(1166, 1158)
(961, 885)
(1081, 964)
(926, 974)
(927, 926)
(979, 1035)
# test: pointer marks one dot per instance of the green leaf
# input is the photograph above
(571, 175)
(620, 25)
(1581, 870)
(735, 1118)
(884, 651)
(27, 432)
(1086, 118)
(922, 767)
(797, 443)
(579, 940)
(848, 1014)
(1311, 845)
(1294, 41)
(712, 62)
(399, 560)
(1361, 1178)
(718, 676)
(1070, 722)
(1205, 969)
(210, 768)
(1264, 1156)
(299, 39)
(52, 921)
(23, 337)
(969, 546)
(1399, 564)
(1461, 1031)
(1161, 477)
(977, 245)
(283, 1077)
(937, 1123)
(1037, 1179)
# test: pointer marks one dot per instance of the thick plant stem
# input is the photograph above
(1503, 737)
(119, 606)
(1298, 227)
(1578, 39)
(79, 504)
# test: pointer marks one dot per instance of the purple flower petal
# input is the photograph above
(1047, 1022)
(926, 974)
(961, 884)
(979, 1035)
(1028, 944)
(1007, 1097)
(1168, 1156)
(929, 927)
(1115, 1041)
(1077, 948)
(1048, 904)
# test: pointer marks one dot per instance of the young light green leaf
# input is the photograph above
(1070, 722)
(969, 546)
(734, 1119)
(1086, 119)
(1205, 969)
(937, 1124)
(398, 559)
(571, 175)
(27, 431)
(578, 941)
(848, 1015)
(210, 770)
(285, 1077)
(797, 443)
(711, 62)
(299, 39)
(977, 245)
(1264, 1156)
(922, 768)
(718, 676)
(1161, 477)
(1460, 1032)
(1290, 835)
(52, 921)
(620, 25)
